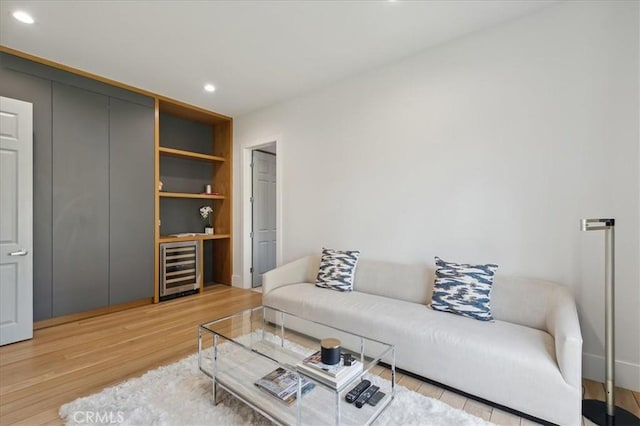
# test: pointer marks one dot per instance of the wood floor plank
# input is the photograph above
(427, 389)
(409, 382)
(453, 399)
(386, 374)
(478, 409)
(625, 399)
(502, 418)
(377, 369)
(593, 390)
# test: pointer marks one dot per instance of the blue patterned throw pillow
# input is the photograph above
(463, 289)
(337, 269)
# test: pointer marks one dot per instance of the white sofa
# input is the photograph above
(529, 359)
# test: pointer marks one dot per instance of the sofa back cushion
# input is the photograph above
(411, 283)
(523, 301)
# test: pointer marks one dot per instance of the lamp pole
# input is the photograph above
(598, 412)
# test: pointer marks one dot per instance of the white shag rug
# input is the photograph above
(180, 394)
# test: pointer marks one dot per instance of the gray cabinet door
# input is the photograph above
(131, 208)
(80, 200)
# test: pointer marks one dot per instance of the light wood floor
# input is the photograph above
(64, 362)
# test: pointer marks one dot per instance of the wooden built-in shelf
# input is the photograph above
(180, 153)
(170, 239)
(187, 132)
(190, 195)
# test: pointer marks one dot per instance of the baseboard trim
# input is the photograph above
(627, 373)
(236, 281)
(39, 325)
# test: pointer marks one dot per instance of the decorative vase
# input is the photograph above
(208, 229)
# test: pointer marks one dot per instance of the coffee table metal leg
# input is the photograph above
(200, 348)
(298, 402)
(337, 408)
(282, 330)
(214, 357)
(393, 371)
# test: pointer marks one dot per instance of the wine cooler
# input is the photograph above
(180, 268)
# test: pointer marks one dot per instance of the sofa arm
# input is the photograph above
(563, 325)
(294, 272)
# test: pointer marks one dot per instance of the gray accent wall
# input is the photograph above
(182, 175)
(176, 132)
(181, 215)
(80, 200)
(93, 188)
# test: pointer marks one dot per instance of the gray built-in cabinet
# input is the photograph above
(131, 201)
(93, 188)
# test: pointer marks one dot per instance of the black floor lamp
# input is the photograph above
(599, 412)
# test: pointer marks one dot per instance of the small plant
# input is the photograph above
(205, 214)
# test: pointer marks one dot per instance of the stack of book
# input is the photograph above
(333, 375)
(283, 384)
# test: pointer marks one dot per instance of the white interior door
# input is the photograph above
(16, 220)
(264, 215)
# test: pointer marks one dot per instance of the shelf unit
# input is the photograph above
(193, 149)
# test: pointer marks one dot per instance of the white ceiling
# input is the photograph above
(255, 52)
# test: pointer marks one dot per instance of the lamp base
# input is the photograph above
(596, 411)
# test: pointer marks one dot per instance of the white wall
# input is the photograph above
(490, 148)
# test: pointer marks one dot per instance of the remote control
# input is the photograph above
(355, 392)
(364, 396)
(376, 398)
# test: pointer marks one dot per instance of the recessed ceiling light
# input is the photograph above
(209, 87)
(23, 17)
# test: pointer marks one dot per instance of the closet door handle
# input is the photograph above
(22, 252)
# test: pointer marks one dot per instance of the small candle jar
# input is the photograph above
(330, 351)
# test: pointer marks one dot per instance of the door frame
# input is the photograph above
(246, 224)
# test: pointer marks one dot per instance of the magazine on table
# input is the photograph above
(334, 375)
(283, 384)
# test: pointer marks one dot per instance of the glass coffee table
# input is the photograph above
(237, 351)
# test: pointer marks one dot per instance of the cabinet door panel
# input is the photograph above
(131, 201)
(80, 200)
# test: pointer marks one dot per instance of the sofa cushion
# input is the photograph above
(463, 289)
(412, 283)
(337, 268)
